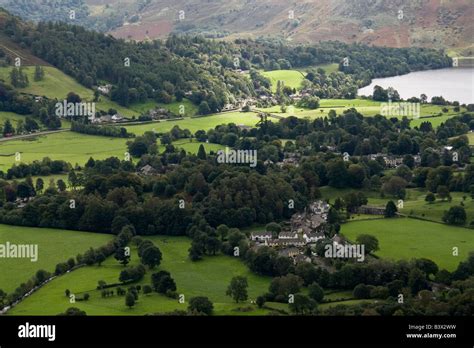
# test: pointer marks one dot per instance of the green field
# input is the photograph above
(209, 277)
(414, 203)
(328, 68)
(72, 147)
(404, 238)
(56, 84)
(14, 118)
(76, 148)
(54, 246)
(291, 78)
(196, 123)
(366, 107)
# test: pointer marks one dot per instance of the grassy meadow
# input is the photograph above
(72, 147)
(56, 84)
(76, 148)
(291, 78)
(197, 123)
(405, 238)
(54, 246)
(208, 277)
(367, 107)
(414, 203)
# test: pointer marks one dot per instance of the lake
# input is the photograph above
(452, 83)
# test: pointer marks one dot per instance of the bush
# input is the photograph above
(147, 289)
(316, 292)
(201, 304)
(361, 291)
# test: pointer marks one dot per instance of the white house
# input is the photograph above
(288, 235)
(105, 89)
(260, 236)
(313, 237)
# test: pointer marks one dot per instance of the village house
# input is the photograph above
(148, 170)
(288, 161)
(337, 239)
(289, 252)
(320, 209)
(301, 258)
(159, 113)
(313, 237)
(297, 242)
(291, 159)
(288, 235)
(229, 107)
(117, 118)
(268, 162)
(393, 161)
(260, 236)
(102, 119)
(105, 89)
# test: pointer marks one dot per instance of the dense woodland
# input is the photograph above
(239, 195)
(208, 69)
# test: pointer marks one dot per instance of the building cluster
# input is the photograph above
(160, 114)
(393, 161)
(290, 159)
(303, 229)
(107, 119)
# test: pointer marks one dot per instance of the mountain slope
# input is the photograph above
(394, 23)
(428, 23)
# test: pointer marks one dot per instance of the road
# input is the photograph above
(19, 137)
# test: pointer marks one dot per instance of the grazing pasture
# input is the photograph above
(405, 238)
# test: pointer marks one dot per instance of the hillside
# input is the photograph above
(428, 23)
